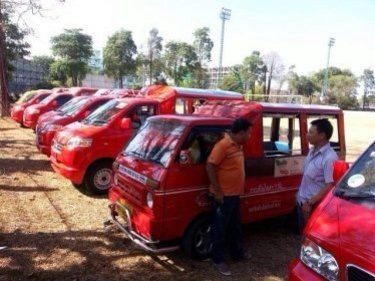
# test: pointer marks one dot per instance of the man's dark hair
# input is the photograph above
(323, 126)
(240, 124)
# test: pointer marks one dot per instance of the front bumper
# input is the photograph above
(127, 229)
(298, 271)
(30, 121)
(73, 174)
(17, 115)
(44, 141)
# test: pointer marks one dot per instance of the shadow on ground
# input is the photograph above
(95, 255)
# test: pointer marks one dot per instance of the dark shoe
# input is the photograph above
(223, 268)
(246, 256)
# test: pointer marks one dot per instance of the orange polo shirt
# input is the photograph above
(229, 159)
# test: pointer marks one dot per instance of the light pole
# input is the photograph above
(224, 15)
(331, 42)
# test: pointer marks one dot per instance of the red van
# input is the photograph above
(339, 238)
(159, 195)
(18, 109)
(74, 110)
(53, 101)
(84, 151)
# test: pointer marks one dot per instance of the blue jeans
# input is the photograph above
(226, 229)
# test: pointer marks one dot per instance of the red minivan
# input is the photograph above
(84, 151)
(159, 195)
(74, 110)
(54, 101)
(339, 238)
(18, 109)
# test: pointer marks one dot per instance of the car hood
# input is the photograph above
(79, 129)
(347, 225)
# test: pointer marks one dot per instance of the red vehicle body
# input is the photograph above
(54, 101)
(339, 238)
(74, 110)
(84, 151)
(159, 192)
(18, 109)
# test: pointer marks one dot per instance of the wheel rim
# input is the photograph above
(203, 240)
(102, 178)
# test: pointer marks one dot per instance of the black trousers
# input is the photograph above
(226, 229)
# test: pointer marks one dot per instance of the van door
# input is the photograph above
(186, 183)
(272, 180)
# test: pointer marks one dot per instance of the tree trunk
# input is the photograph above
(120, 82)
(151, 70)
(4, 106)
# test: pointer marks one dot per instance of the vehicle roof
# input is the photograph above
(192, 119)
(207, 93)
(236, 109)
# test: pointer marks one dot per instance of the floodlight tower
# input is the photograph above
(331, 42)
(224, 15)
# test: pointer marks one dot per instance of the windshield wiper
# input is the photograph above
(347, 194)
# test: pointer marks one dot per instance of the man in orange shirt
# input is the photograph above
(226, 171)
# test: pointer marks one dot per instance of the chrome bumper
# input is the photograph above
(127, 229)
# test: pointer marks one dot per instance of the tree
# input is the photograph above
(342, 91)
(274, 66)
(180, 60)
(74, 48)
(44, 62)
(202, 46)
(154, 48)
(234, 80)
(252, 71)
(368, 84)
(12, 38)
(119, 55)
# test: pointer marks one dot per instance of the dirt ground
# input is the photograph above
(51, 231)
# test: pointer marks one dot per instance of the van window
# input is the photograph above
(63, 99)
(201, 141)
(281, 135)
(334, 141)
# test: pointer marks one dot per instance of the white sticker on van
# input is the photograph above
(132, 174)
(356, 181)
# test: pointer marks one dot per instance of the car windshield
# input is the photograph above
(104, 113)
(156, 140)
(359, 182)
(73, 106)
(48, 99)
(27, 96)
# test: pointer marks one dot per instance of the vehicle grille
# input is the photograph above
(357, 274)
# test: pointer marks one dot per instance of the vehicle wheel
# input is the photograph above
(98, 177)
(197, 242)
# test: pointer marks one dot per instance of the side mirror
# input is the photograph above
(185, 158)
(54, 103)
(125, 123)
(339, 169)
(87, 113)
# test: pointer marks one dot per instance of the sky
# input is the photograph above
(298, 30)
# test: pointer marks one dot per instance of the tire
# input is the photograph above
(98, 177)
(197, 241)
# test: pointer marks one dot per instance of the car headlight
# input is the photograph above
(319, 260)
(78, 142)
(150, 200)
(34, 111)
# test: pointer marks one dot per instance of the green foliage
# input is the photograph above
(74, 49)
(180, 60)
(253, 71)
(119, 55)
(203, 44)
(44, 62)
(153, 59)
(59, 71)
(342, 91)
(15, 45)
(233, 81)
